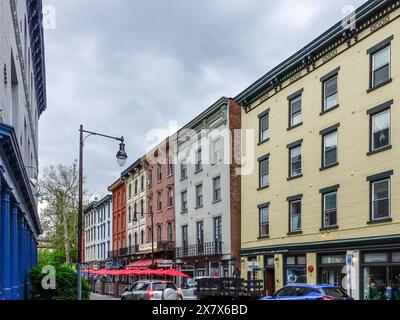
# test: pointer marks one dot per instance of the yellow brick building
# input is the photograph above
(325, 189)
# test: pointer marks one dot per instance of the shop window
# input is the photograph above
(376, 258)
(295, 270)
(396, 257)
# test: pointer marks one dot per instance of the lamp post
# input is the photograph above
(121, 158)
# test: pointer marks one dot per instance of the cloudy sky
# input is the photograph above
(124, 67)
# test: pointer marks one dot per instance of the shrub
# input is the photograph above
(66, 281)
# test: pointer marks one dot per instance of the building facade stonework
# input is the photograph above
(98, 231)
(322, 204)
(22, 101)
(207, 193)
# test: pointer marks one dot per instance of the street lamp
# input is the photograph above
(121, 158)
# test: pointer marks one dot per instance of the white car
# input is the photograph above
(188, 290)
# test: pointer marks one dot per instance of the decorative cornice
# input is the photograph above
(292, 69)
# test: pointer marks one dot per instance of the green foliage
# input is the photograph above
(66, 280)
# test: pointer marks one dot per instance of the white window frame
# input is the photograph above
(373, 85)
(325, 210)
(292, 175)
(373, 129)
(373, 200)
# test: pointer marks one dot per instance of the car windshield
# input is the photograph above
(335, 292)
(162, 286)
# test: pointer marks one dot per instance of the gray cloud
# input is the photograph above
(124, 67)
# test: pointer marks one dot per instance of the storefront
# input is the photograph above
(332, 269)
(295, 269)
(380, 274)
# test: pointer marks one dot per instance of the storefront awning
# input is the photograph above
(141, 264)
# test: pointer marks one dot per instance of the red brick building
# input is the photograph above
(119, 214)
(161, 200)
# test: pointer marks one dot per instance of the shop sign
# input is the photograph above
(165, 263)
(253, 265)
(147, 247)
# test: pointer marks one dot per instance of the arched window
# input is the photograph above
(136, 239)
(130, 241)
(135, 212)
(142, 183)
(142, 207)
(170, 232)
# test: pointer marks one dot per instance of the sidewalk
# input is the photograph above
(95, 296)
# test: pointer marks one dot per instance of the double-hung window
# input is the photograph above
(159, 201)
(198, 165)
(330, 91)
(184, 202)
(380, 135)
(264, 171)
(199, 196)
(183, 170)
(264, 220)
(329, 207)
(217, 151)
(380, 201)
(217, 189)
(264, 127)
(295, 215)
(380, 56)
(329, 146)
(295, 159)
(295, 109)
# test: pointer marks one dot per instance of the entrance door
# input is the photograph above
(332, 275)
(269, 281)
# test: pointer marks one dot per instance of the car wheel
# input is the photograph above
(170, 294)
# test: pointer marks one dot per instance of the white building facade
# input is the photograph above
(98, 230)
(207, 216)
(22, 101)
(136, 184)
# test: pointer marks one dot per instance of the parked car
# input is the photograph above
(309, 292)
(152, 290)
(189, 290)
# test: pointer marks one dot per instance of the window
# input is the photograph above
(381, 199)
(200, 233)
(142, 207)
(264, 221)
(295, 270)
(218, 229)
(264, 172)
(142, 237)
(185, 236)
(135, 212)
(217, 189)
(295, 216)
(199, 196)
(159, 233)
(330, 149)
(170, 197)
(150, 205)
(150, 178)
(217, 151)
(380, 67)
(330, 209)
(130, 214)
(380, 134)
(142, 183)
(264, 127)
(183, 170)
(159, 201)
(184, 201)
(198, 165)
(136, 187)
(170, 167)
(130, 191)
(159, 172)
(296, 117)
(149, 235)
(331, 97)
(170, 232)
(295, 162)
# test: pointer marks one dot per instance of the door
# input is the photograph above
(269, 281)
(138, 291)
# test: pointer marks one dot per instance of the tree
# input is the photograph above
(59, 194)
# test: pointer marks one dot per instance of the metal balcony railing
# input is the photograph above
(199, 250)
(122, 252)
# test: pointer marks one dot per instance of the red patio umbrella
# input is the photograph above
(175, 273)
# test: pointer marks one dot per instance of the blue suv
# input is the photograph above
(296, 291)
